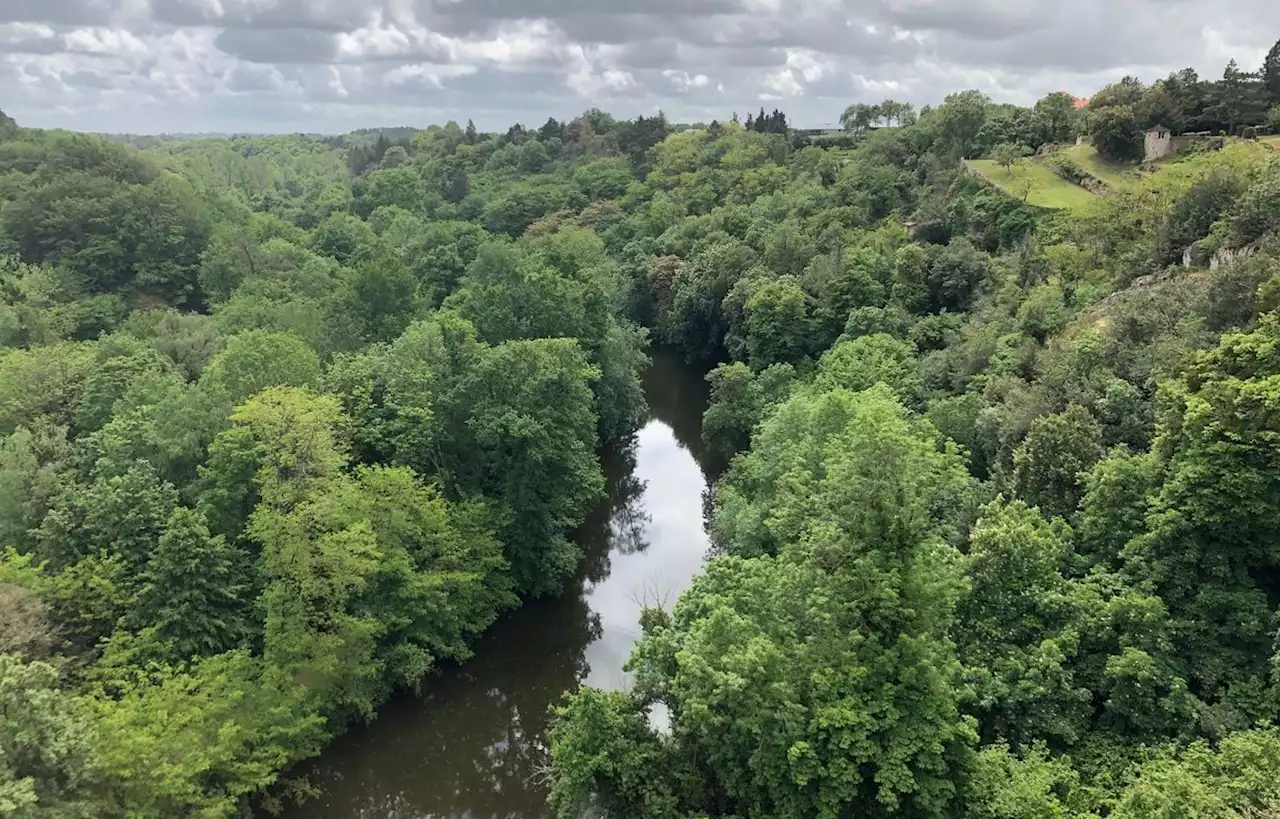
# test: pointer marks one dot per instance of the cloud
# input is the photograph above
(685, 81)
(327, 65)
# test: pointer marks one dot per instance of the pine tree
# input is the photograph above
(1271, 74)
(193, 592)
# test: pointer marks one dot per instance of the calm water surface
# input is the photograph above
(471, 745)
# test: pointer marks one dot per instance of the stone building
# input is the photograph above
(1160, 143)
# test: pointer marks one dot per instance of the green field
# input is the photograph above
(1041, 186)
(1116, 175)
(1049, 190)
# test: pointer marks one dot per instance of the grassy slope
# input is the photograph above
(1116, 175)
(1048, 190)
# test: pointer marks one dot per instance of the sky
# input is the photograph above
(329, 66)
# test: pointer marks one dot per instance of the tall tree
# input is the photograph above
(1271, 74)
(1239, 98)
(815, 682)
(194, 596)
(1057, 118)
(1116, 133)
(1049, 464)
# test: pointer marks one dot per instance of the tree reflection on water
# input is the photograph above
(472, 744)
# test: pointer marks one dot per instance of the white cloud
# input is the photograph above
(107, 42)
(334, 64)
(684, 81)
(429, 74)
(782, 83)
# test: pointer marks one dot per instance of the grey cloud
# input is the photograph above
(295, 45)
(319, 15)
(247, 77)
(59, 12)
(556, 9)
(28, 38)
(84, 78)
(326, 64)
(983, 20)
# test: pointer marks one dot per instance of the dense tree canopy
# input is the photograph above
(287, 422)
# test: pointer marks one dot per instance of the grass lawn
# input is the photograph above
(1047, 189)
(1116, 175)
(1272, 142)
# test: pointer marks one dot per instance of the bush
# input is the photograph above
(1067, 168)
(1116, 134)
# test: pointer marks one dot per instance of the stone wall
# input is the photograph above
(1158, 145)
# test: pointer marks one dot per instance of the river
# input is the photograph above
(472, 744)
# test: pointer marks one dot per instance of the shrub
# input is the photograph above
(1067, 168)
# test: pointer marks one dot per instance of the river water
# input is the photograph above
(472, 744)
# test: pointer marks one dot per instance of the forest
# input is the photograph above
(287, 422)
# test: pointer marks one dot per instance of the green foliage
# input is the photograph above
(1115, 132)
(1238, 778)
(1194, 214)
(1057, 117)
(767, 668)
(1255, 213)
(825, 440)
(607, 755)
(1005, 786)
(776, 322)
(1019, 627)
(122, 514)
(42, 385)
(1049, 463)
(861, 363)
(1214, 517)
(46, 767)
(1007, 153)
(113, 228)
(254, 360)
(513, 424)
(741, 399)
(288, 421)
(194, 591)
(562, 287)
(603, 178)
(954, 273)
(197, 742)
(343, 237)
(960, 119)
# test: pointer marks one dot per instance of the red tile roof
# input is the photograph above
(1078, 101)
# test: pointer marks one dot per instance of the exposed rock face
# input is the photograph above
(1227, 255)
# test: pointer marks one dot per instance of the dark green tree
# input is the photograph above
(1048, 465)
(1271, 74)
(1116, 133)
(195, 595)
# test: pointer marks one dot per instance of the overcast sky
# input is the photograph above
(149, 66)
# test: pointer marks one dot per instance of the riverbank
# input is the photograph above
(472, 743)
